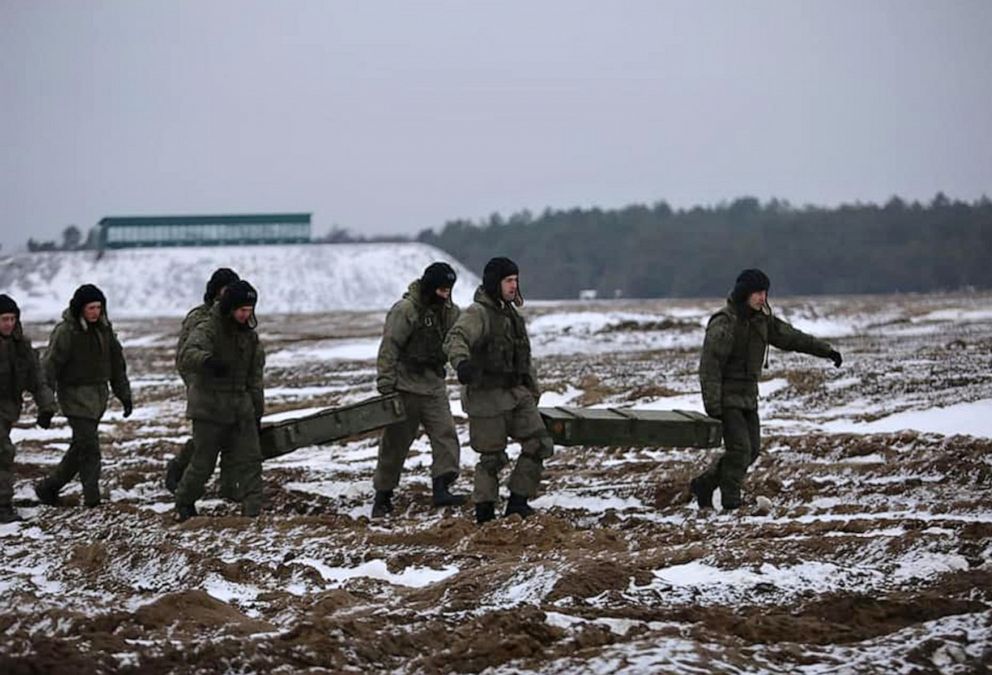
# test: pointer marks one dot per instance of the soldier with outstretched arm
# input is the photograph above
(489, 348)
(735, 347)
(411, 363)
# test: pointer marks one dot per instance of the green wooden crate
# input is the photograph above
(631, 427)
(280, 438)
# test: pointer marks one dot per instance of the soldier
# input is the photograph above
(489, 348)
(736, 344)
(224, 361)
(19, 372)
(83, 355)
(411, 362)
(219, 280)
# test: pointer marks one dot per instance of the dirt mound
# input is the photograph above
(194, 612)
(492, 640)
(838, 619)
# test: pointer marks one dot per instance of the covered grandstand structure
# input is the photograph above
(258, 228)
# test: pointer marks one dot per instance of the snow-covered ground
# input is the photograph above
(169, 281)
(875, 557)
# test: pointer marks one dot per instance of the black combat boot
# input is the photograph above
(185, 512)
(731, 503)
(173, 474)
(9, 515)
(702, 492)
(518, 504)
(382, 506)
(484, 512)
(46, 493)
(229, 492)
(441, 495)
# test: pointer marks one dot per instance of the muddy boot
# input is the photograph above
(702, 492)
(441, 495)
(9, 515)
(173, 474)
(185, 512)
(518, 504)
(484, 512)
(46, 493)
(382, 506)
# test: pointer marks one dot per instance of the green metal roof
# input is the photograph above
(248, 218)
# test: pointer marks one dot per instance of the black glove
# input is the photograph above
(466, 373)
(215, 366)
(128, 407)
(45, 418)
(835, 356)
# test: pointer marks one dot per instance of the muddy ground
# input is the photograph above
(875, 558)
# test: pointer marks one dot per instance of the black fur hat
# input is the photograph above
(83, 296)
(218, 280)
(8, 306)
(495, 271)
(437, 275)
(750, 281)
(237, 294)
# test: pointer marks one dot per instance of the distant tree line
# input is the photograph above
(656, 251)
(72, 240)
(342, 235)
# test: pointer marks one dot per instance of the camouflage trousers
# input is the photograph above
(742, 440)
(434, 413)
(6, 464)
(488, 434)
(82, 458)
(237, 440)
(228, 487)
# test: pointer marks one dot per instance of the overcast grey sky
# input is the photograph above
(388, 117)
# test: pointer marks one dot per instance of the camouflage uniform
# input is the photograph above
(19, 372)
(501, 400)
(81, 358)
(411, 362)
(225, 409)
(177, 466)
(734, 349)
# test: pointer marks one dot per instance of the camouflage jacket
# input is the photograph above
(411, 355)
(492, 336)
(20, 371)
(80, 360)
(734, 351)
(236, 396)
(194, 317)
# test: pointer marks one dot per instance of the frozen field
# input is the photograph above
(876, 557)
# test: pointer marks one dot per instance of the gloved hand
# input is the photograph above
(466, 373)
(386, 389)
(128, 407)
(835, 356)
(215, 366)
(45, 418)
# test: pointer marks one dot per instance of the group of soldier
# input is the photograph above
(221, 360)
